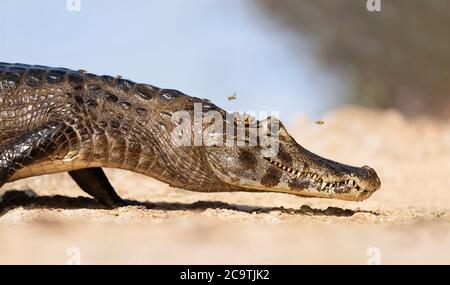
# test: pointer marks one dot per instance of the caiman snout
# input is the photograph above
(320, 177)
(371, 178)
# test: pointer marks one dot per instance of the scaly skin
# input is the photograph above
(59, 120)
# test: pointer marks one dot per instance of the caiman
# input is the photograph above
(60, 120)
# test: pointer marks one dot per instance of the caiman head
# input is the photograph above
(270, 162)
(289, 168)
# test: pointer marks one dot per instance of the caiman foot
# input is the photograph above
(94, 182)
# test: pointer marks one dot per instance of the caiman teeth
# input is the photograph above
(315, 178)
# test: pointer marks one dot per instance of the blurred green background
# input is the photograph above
(398, 57)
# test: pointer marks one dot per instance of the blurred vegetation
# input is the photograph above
(398, 57)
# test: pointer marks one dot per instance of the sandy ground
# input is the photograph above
(407, 221)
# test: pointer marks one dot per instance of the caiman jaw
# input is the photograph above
(316, 179)
(346, 187)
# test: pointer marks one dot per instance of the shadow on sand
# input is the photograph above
(29, 200)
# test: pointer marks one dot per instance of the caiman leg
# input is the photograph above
(42, 143)
(28, 148)
(94, 182)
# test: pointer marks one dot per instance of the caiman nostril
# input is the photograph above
(369, 172)
(371, 176)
